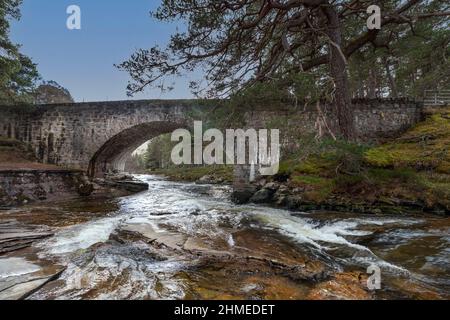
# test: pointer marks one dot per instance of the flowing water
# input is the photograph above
(187, 241)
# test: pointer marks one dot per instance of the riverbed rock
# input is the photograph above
(343, 286)
(132, 186)
(272, 186)
(241, 196)
(21, 278)
(171, 240)
(209, 179)
(262, 196)
(23, 290)
(85, 189)
(116, 176)
(14, 236)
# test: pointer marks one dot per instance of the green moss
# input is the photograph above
(316, 165)
(424, 147)
(286, 167)
(401, 175)
(317, 189)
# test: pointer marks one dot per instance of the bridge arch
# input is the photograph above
(112, 155)
(95, 136)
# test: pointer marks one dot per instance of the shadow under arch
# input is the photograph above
(114, 152)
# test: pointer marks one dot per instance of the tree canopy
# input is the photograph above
(51, 92)
(239, 43)
(18, 73)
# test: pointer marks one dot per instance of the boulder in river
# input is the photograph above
(241, 196)
(209, 179)
(262, 196)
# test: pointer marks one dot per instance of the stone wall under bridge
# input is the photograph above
(97, 136)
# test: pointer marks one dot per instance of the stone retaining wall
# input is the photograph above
(20, 187)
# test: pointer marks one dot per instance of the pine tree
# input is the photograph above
(18, 73)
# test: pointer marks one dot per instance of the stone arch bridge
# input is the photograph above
(98, 136)
(93, 136)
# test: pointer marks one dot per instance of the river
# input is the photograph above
(188, 241)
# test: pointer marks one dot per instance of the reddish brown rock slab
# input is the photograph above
(174, 241)
(343, 286)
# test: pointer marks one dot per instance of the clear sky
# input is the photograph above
(82, 60)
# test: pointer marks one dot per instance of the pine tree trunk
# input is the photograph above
(342, 104)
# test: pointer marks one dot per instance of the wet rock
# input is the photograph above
(198, 246)
(343, 286)
(262, 196)
(280, 196)
(115, 176)
(85, 189)
(14, 236)
(173, 241)
(416, 290)
(132, 186)
(241, 196)
(293, 202)
(281, 200)
(21, 278)
(21, 291)
(209, 179)
(272, 186)
(162, 213)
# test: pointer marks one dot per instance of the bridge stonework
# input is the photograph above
(98, 136)
(93, 136)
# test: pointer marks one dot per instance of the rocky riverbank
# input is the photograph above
(283, 195)
(22, 186)
(23, 179)
(187, 241)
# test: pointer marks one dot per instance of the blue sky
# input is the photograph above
(82, 60)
